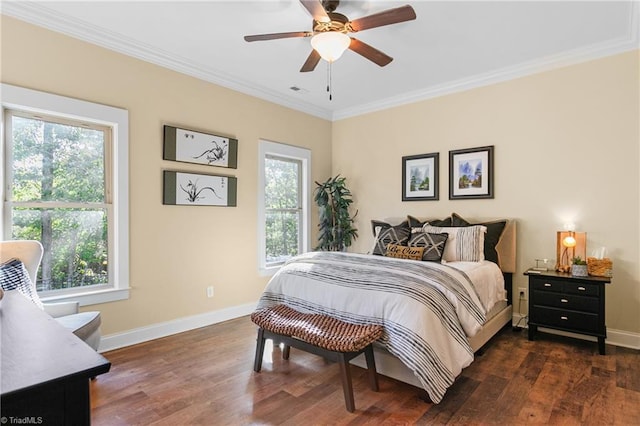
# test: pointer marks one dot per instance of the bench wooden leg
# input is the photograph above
(347, 387)
(371, 367)
(257, 364)
(342, 358)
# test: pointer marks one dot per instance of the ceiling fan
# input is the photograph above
(330, 29)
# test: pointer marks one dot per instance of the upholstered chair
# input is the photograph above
(85, 325)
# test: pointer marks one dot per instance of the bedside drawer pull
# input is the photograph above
(564, 318)
(547, 285)
(582, 289)
(564, 300)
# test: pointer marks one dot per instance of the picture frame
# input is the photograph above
(197, 189)
(471, 173)
(420, 177)
(191, 146)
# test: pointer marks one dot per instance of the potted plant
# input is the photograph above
(336, 231)
(579, 267)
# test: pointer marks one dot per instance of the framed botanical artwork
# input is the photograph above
(189, 146)
(471, 173)
(420, 177)
(195, 189)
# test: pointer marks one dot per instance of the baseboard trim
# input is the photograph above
(110, 342)
(167, 328)
(625, 339)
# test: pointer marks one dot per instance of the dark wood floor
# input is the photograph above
(205, 377)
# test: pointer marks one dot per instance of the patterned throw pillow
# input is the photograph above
(390, 235)
(14, 276)
(491, 238)
(433, 245)
(382, 224)
(464, 244)
(404, 252)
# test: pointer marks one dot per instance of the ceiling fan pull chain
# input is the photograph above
(330, 80)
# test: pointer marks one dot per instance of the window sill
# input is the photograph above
(90, 297)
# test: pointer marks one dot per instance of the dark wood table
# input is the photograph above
(45, 369)
(567, 302)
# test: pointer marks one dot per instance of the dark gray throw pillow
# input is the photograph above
(386, 235)
(382, 224)
(433, 245)
(416, 223)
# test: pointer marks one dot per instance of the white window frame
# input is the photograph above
(36, 102)
(275, 149)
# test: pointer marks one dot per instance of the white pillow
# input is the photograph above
(465, 243)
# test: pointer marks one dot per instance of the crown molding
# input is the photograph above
(44, 17)
(47, 18)
(631, 41)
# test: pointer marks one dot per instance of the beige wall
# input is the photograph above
(566, 149)
(176, 252)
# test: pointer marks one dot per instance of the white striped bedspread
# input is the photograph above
(427, 309)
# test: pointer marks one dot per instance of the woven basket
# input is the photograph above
(600, 267)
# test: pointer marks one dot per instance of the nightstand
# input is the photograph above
(564, 302)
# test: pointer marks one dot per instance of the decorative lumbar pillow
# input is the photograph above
(433, 244)
(416, 224)
(491, 238)
(404, 252)
(398, 234)
(464, 244)
(14, 276)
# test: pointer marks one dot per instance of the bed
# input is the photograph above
(435, 315)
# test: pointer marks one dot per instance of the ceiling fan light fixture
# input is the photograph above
(331, 44)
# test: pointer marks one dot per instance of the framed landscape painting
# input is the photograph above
(194, 189)
(471, 173)
(190, 146)
(420, 177)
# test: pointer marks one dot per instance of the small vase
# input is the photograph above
(579, 270)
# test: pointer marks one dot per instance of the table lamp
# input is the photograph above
(570, 244)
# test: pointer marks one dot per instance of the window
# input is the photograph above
(283, 203)
(283, 209)
(65, 184)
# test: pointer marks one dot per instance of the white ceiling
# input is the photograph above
(451, 46)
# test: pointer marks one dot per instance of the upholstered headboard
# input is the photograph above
(506, 248)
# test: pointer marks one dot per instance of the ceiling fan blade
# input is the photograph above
(274, 36)
(369, 52)
(387, 17)
(316, 10)
(311, 62)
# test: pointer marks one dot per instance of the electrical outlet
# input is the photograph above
(523, 292)
(210, 291)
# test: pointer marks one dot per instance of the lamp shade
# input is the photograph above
(330, 45)
(569, 241)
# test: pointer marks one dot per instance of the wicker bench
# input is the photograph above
(322, 335)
